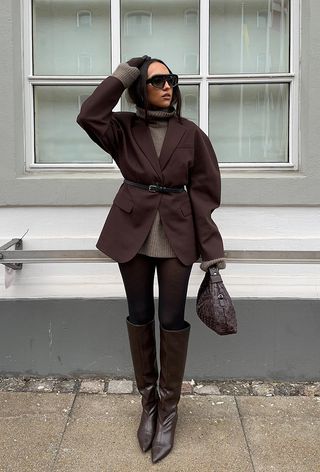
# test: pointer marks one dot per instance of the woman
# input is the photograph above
(160, 218)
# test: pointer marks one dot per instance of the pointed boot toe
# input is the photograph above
(160, 452)
(147, 428)
(164, 437)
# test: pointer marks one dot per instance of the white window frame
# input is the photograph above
(203, 79)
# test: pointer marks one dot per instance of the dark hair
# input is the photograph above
(138, 90)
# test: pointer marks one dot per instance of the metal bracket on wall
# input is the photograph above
(18, 245)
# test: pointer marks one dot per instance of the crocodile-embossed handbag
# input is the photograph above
(214, 305)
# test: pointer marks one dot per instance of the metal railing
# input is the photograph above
(15, 258)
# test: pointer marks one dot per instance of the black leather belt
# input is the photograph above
(155, 187)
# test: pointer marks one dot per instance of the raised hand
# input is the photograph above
(138, 61)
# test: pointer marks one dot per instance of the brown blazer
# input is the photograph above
(187, 158)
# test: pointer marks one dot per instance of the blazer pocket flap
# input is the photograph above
(123, 202)
(186, 208)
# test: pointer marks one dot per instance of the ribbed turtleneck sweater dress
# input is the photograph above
(157, 243)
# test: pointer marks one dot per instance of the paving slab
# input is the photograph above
(282, 433)
(101, 436)
(62, 432)
(31, 428)
(306, 407)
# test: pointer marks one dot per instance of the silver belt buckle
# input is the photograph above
(153, 188)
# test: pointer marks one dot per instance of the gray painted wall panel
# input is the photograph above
(277, 340)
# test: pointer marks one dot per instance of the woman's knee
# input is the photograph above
(141, 313)
(172, 320)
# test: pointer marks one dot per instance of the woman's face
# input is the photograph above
(159, 98)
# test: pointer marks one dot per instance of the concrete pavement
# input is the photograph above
(96, 432)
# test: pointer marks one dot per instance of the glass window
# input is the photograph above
(58, 138)
(255, 34)
(236, 79)
(249, 122)
(69, 40)
(172, 30)
(191, 17)
(138, 23)
(190, 102)
(189, 106)
(84, 18)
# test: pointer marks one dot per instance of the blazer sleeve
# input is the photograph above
(97, 118)
(204, 190)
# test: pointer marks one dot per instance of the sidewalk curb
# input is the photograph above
(124, 386)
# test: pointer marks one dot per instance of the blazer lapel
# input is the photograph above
(144, 140)
(173, 136)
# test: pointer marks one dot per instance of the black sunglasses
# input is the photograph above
(158, 81)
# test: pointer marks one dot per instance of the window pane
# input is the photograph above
(255, 34)
(167, 30)
(190, 102)
(58, 138)
(249, 122)
(71, 37)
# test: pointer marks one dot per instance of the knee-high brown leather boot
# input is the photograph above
(173, 354)
(143, 352)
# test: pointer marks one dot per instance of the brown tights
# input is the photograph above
(173, 278)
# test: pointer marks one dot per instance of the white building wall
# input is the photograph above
(242, 228)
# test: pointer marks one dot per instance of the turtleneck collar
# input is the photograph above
(155, 115)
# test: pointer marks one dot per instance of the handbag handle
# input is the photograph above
(215, 275)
